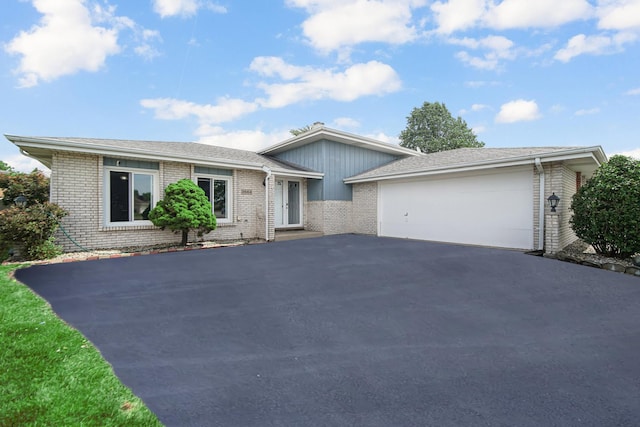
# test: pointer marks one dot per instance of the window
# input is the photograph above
(130, 195)
(218, 191)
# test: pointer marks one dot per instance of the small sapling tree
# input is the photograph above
(185, 207)
(606, 210)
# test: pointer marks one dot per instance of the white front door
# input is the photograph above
(288, 209)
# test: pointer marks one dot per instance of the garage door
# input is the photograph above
(490, 209)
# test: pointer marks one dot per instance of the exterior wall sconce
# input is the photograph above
(20, 201)
(553, 201)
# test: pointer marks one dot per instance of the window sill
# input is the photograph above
(128, 227)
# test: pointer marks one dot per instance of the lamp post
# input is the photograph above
(20, 201)
(553, 201)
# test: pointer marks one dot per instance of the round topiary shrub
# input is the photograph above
(185, 207)
(606, 210)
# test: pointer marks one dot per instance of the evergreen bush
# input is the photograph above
(606, 210)
(185, 207)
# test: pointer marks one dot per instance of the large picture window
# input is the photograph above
(218, 191)
(130, 195)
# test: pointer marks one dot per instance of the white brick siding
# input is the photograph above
(365, 208)
(329, 216)
(562, 181)
(77, 182)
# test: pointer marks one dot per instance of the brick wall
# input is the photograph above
(77, 185)
(329, 216)
(314, 216)
(562, 181)
(365, 208)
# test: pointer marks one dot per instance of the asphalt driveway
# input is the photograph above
(356, 330)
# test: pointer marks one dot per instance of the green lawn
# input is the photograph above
(50, 375)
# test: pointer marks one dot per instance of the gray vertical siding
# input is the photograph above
(337, 161)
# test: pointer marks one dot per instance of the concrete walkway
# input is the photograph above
(360, 331)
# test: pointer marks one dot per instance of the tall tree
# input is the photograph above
(432, 128)
(5, 167)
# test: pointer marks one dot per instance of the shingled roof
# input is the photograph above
(204, 154)
(461, 158)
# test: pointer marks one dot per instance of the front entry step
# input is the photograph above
(282, 235)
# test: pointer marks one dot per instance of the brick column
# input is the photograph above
(552, 233)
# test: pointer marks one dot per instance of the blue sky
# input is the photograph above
(242, 74)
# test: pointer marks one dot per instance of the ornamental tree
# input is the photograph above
(34, 186)
(185, 207)
(432, 128)
(606, 210)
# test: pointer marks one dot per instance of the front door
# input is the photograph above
(288, 209)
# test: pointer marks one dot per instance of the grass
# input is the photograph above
(50, 375)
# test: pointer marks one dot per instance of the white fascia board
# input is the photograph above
(439, 171)
(571, 154)
(110, 151)
(575, 156)
(296, 174)
(347, 138)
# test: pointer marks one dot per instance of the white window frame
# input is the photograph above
(155, 195)
(229, 201)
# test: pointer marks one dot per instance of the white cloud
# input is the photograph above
(498, 48)
(518, 111)
(481, 83)
(184, 8)
(72, 36)
(459, 15)
(619, 15)
(635, 153)
(299, 84)
(537, 14)
(23, 163)
(346, 123)
(383, 137)
(474, 108)
(307, 83)
(478, 129)
(632, 92)
(337, 25)
(594, 45)
(587, 112)
(253, 140)
(65, 41)
(226, 109)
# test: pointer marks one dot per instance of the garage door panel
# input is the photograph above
(494, 209)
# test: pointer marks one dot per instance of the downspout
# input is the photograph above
(542, 205)
(266, 202)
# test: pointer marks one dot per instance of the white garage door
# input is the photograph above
(491, 209)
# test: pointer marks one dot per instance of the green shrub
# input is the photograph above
(185, 207)
(34, 186)
(31, 229)
(606, 210)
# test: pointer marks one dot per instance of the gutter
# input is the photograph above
(540, 169)
(573, 153)
(73, 146)
(266, 170)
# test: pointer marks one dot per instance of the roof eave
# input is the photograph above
(320, 133)
(74, 146)
(596, 153)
